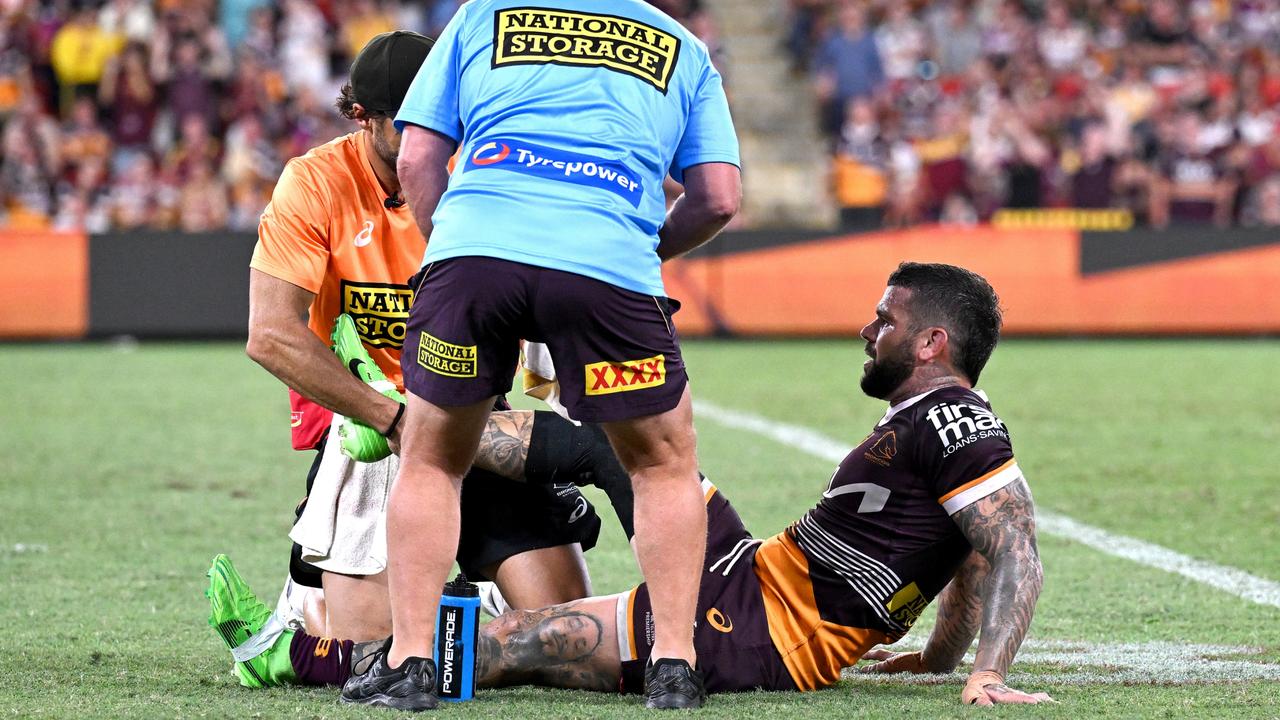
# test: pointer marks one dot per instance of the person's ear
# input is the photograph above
(933, 344)
(361, 116)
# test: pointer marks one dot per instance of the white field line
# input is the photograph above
(1079, 663)
(1228, 579)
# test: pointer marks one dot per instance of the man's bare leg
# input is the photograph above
(356, 607)
(660, 453)
(572, 646)
(542, 578)
(436, 451)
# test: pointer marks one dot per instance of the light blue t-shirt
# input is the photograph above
(568, 118)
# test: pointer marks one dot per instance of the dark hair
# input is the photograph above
(959, 300)
(346, 105)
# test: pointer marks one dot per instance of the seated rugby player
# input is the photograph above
(934, 489)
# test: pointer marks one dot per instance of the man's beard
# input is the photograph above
(885, 374)
(384, 151)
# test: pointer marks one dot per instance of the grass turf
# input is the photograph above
(123, 470)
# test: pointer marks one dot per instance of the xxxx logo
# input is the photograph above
(604, 378)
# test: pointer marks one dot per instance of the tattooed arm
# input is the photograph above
(1001, 527)
(959, 617)
(573, 646)
(504, 446)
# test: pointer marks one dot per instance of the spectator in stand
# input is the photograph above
(236, 19)
(1256, 122)
(1062, 41)
(1192, 184)
(82, 203)
(132, 103)
(131, 202)
(942, 154)
(86, 146)
(806, 19)
(901, 42)
(1008, 35)
(859, 171)
(957, 38)
(1262, 207)
(79, 53)
(132, 20)
(1163, 38)
(195, 147)
(203, 206)
(1093, 168)
(360, 21)
(259, 40)
(32, 160)
(304, 49)
(190, 57)
(249, 169)
(847, 66)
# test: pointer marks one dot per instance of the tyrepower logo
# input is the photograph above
(548, 163)
(540, 36)
(444, 358)
(605, 378)
(380, 311)
(961, 424)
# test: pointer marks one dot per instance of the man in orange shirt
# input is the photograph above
(336, 238)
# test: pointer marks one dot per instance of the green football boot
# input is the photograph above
(237, 616)
(359, 441)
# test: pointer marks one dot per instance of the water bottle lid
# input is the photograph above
(459, 587)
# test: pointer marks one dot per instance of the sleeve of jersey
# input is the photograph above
(293, 242)
(966, 468)
(432, 100)
(709, 135)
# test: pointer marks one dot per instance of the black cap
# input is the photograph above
(382, 72)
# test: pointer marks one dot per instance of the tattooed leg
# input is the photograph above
(573, 646)
(504, 445)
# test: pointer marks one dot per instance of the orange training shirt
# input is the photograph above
(327, 230)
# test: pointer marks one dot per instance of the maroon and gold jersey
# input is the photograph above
(860, 567)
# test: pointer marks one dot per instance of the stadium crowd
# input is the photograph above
(954, 109)
(180, 114)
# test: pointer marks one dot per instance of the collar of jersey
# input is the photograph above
(895, 409)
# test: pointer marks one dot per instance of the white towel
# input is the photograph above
(539, 378)
(344, 526)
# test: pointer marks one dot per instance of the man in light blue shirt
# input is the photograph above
(566, 117)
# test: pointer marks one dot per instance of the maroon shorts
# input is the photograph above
(615, 351)
(735, 651)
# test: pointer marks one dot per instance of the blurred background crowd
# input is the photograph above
(180, 114)
(951, 110)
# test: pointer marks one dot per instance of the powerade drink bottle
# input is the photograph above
(457, 628)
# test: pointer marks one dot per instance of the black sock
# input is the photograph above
(560, 451)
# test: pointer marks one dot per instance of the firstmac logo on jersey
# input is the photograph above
(549, 163)
(541, 36)
(961, 424)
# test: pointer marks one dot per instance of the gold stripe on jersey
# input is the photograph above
(980, 487)
(813, 650)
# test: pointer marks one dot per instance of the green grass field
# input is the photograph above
(124, 469)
